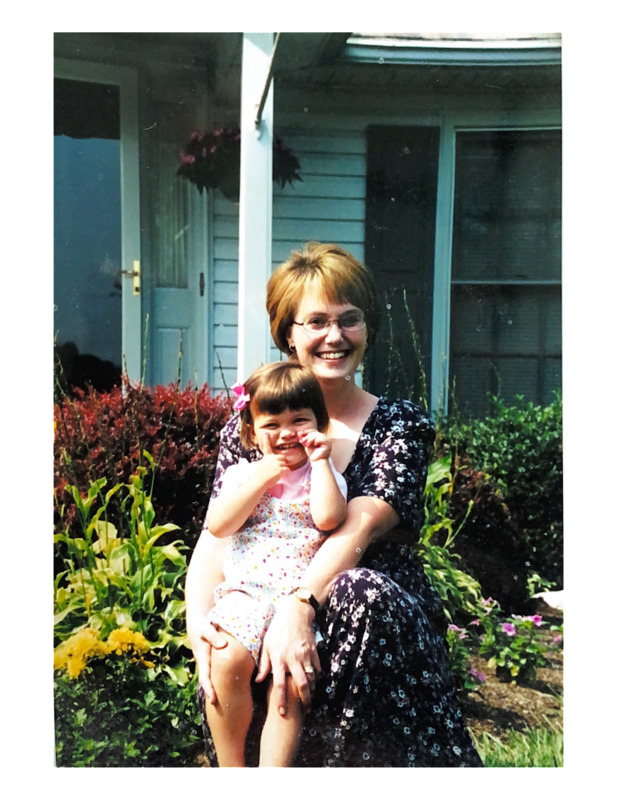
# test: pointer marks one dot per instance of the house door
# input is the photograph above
(97, 292)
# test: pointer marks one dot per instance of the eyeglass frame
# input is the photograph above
(329, 324)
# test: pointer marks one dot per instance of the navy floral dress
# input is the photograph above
(386, 696)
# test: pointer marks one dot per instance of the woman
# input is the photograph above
(377, 687)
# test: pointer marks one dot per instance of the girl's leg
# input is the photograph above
(281, 735)
(231, 670)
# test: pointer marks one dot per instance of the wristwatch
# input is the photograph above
(305, 596)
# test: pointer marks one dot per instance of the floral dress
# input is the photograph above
(386, 696)
(266, 559)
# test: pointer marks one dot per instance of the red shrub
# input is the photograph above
(104, 434)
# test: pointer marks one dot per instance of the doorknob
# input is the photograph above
(135, 274)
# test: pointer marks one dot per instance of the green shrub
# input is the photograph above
(104, 435)
(460, 593)
(519, 447)
(123, 691)
(112, 579)
(121, 712)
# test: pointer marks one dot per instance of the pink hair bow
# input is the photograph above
(241, 398)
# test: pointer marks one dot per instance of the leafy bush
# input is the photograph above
(518, 448)
(510, 644)
(124, 691)
(113, 708)
(104, 434)
(460, 593)
(111, 580)
(513, 646)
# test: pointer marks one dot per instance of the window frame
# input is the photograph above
(451, 125)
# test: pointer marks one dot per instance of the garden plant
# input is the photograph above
(133, 471)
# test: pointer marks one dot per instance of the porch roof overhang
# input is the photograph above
(463, 50)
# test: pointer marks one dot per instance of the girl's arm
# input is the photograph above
(229, 511)
(328, 505)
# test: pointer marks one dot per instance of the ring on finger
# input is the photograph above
(309, 670)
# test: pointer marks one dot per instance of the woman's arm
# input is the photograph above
(205, 572)
(206, 569)
(289, 644)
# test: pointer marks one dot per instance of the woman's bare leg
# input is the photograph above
(281, 735)
(231, 670)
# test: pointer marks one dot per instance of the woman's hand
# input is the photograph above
(289, 648)
(203, 637)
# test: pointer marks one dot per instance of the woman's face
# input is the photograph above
(334, 354)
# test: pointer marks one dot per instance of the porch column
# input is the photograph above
(255, 217)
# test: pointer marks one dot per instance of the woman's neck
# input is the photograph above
(346, 402)
(349, 407)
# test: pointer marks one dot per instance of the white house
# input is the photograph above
(436, 159)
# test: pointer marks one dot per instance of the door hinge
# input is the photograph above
(202, 284)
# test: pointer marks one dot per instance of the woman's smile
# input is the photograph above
(330, 356)
(334, 354)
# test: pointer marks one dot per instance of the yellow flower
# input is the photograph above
(121, 640)
(74, 653)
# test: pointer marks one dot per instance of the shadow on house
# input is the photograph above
(75, 370)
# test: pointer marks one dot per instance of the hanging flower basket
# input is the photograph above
(212, 161)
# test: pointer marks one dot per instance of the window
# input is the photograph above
(505, 331)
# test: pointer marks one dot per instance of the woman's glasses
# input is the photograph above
(319, 324)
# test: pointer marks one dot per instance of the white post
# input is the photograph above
(255, 217)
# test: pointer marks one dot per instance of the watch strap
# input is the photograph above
(305, 596)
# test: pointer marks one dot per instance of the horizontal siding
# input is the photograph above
(327, 205)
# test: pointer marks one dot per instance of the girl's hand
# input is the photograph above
(271, 465)
(289, 648)
(316, 444)
(203, 637)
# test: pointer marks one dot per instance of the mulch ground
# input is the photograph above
(498, 708)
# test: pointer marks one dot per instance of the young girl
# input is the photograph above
(277, 511)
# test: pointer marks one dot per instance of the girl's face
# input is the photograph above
(282, 432)
(335, 353)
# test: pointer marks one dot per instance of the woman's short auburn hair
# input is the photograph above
(327, 269)
(275, 388)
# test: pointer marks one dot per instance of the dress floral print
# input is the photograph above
(385, 696)
(265, 560)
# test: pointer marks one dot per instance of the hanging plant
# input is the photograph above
(212, 161)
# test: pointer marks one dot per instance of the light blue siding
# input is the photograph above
(328, 205)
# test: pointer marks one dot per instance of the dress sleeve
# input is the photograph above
(229, 453)
(393, 464)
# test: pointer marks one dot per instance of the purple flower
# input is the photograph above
(476, 674)
(537, 619)
(475, 622)
(509, 628)
(460, 631)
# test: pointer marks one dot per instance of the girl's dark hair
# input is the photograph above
(277, 387)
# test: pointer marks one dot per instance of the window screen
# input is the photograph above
(506, 268)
